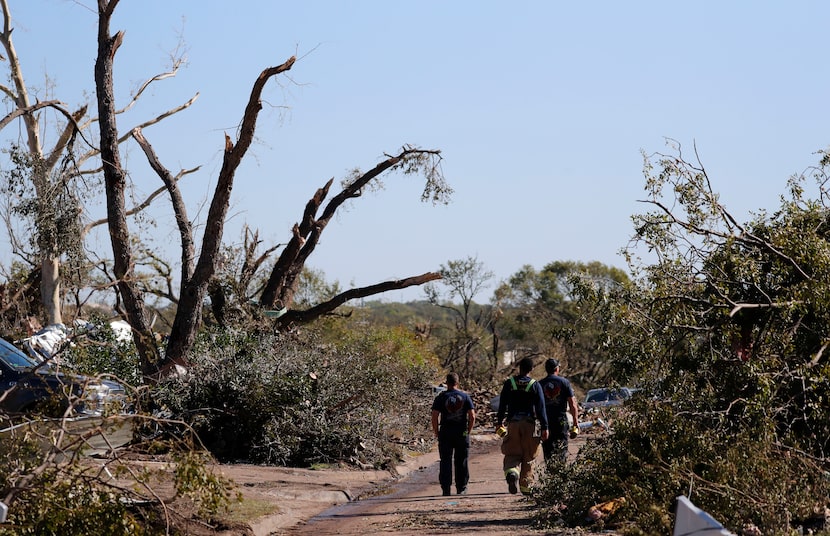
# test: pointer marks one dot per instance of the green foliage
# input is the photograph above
(50, 489)
(211, 493)
(544, 314)
(301, 400)
(727, 333)
(392, 349)
(658, 453)
(52, 213)
(469, 344)
(416, 315)
(57, 499)
(96, 351)
(22, 298)
(313, 288)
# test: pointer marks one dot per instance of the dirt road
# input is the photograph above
(414, 505)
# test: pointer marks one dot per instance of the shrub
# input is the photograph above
(96, 350)
(727, 333)
(69, 495)
(299, 400)
(653, 456)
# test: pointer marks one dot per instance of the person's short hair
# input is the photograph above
(551, 365)
(525, 365)
(452, 378)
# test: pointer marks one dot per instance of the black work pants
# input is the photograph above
(556, 446)
(454, 451)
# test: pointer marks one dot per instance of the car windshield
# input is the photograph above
(13, 357)
(604, 395)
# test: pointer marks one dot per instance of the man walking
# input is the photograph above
(522, 403)
(453, 417)
(559, 399)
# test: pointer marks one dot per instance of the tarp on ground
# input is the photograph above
(690, 520)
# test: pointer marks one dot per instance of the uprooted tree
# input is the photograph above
(197, 271)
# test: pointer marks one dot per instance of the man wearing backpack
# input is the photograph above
(521, 404)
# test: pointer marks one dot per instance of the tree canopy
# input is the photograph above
(726, 333)
(544, 315)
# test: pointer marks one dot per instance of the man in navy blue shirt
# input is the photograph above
(453, 417)
(559, 399)
(522, 403)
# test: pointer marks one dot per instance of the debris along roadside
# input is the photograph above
(414, 505)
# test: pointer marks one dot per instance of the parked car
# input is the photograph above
(28, 386)
(606, 396)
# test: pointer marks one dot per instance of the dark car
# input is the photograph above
(28, 386)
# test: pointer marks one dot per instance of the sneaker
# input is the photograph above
(511, 483)
(462, 491)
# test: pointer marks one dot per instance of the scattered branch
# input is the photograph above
(299, 317)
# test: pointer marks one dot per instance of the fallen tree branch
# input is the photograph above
(300, 317)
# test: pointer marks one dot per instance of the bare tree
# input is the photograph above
(56, 208)
(198, 271)
(281, 287)
(464, 279)
(47, 190)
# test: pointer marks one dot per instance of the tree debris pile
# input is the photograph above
(304, 400)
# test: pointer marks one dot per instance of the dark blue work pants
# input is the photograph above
(556, 447)
(454, 451)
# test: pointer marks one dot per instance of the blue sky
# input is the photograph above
(541, 110)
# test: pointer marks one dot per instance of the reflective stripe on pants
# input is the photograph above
(520, 447)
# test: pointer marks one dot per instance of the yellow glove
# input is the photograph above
(501, 431)
(574, 431)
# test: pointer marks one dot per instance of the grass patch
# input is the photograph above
(248, 510)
